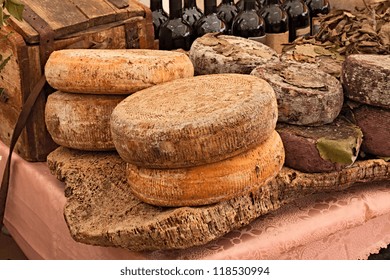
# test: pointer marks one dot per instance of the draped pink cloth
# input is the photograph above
(349, 224)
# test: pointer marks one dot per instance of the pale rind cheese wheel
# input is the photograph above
(215, 53)
(306, 95)
(103, 71)
(81, 121)
(210, 183)
(194, 121)
(365, 78)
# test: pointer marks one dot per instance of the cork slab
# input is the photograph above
(100, 209)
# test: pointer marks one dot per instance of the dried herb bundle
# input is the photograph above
(365, 30)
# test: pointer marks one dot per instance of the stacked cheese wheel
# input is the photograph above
(199, 140)
(366, 82)
(310, 100)
(90, 85)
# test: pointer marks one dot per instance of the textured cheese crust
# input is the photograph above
(81, 121)
(194, 121)
(365, 79)
(306, 95)
(210, 183)
(214, 53)
(101, 71)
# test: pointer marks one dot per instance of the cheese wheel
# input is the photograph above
(306, 95)
(210, 183)
(214, 53)
(375, 124)
(81, 121)
(365, 79)
(326, 148)
(103, 71)
(194, 121)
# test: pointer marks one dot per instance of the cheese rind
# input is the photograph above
(214, 53)
(210, 183)
(103, 71)
(305, 94)
(81, 121)
(194, 121)
(365, 79)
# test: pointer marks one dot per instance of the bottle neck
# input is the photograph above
(188, 3)
(155, 5)
(228, 1)
(249, 5)
(210, 6)
(175, 8)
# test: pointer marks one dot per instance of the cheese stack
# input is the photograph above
(199, 140)
(365, 78)
(90, 85)
(309, 102)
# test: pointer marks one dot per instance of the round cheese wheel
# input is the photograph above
(210, 183)
(325, 148)
(81, 121)
(375, 124)
(194, 121)
(366, 79)
(214, 53)
(103, 71)
(306, 95)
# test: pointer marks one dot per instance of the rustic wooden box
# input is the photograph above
(84, 24)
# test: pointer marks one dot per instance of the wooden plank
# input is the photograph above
(63, 16)
(93, 13)
(133, 10)
(97, 11)
(107, 38)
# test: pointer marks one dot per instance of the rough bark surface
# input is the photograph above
(365, 78)
(342, 139)
(114, 71)
(100, 209)
(194, 121)
(305, 94)
(209, 183)
(81, 121)
(214, 53)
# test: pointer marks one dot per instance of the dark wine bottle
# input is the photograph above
(276, 25)
(226, 11)
(317, 8)
(175, 33)
(209, 22)
(191, 12)
(298, 18)
(259, 4)
(158, 14)
(248, 23)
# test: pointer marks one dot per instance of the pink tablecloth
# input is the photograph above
(341, 225)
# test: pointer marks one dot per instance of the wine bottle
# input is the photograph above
(259, 4)
(226, 11)
(158, 14)
(175, 33)
(317, 8)
(248, 23)
(298, 18)
(209, 22)
(276, 25)
(191, 12)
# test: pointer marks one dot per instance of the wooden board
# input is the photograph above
(101, 210)
(66, 17)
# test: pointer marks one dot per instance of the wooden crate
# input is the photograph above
(76, 24)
